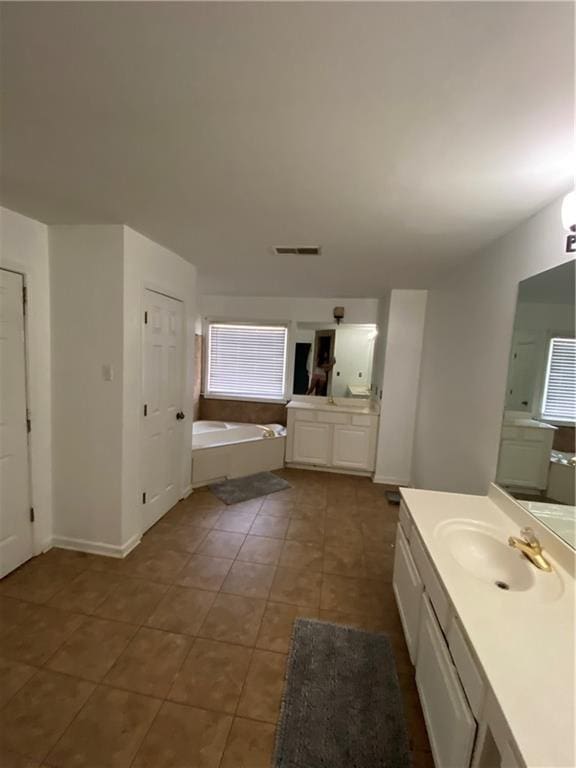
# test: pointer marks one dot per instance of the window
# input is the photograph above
(559, 401)
(246, 361)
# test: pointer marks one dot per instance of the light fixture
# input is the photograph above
(338, 314)
(569, 211)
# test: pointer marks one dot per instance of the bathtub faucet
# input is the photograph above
(267, 432)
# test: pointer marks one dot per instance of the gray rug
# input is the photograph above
(250, 487)
(342, 705)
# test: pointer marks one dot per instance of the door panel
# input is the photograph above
(15, 525)
(451, 727)
(351, 447)
(163, 394)
(311, 443)
(408, 588)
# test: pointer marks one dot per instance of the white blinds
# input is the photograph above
(559, 402)
(246, 361)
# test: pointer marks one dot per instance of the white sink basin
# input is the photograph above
(483, 551)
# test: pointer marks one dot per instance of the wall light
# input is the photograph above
(569, 211)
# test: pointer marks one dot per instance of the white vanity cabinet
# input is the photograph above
(449, 721)
(324, 436)
(525, 450)
(408, 589)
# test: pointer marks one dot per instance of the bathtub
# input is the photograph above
(223, 449)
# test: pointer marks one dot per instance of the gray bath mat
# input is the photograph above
(250, 487)
(342, 705)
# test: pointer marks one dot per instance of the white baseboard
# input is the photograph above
(97, 547)
(381, 480)
(332, 470)
(187, 491)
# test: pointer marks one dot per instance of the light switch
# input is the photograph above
(107, 372)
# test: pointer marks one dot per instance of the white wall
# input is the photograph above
(149, 265)
(383, 311)
(404, 334)
(24, 249)
(287, 309)
(465, 360)
(87, 286)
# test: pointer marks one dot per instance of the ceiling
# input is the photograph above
(402, 137)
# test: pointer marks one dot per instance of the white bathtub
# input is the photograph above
(223, 450)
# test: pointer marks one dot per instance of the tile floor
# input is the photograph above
(175, 656)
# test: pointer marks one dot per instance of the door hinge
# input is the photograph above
(145, 318)
(32, 516)
(145, 410)
(28, 422)
(144, 498)
(24, 298)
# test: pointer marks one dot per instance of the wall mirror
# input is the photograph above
(333, 360)
(536, 463)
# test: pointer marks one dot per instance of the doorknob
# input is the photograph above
(180, 415)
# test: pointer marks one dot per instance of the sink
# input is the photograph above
(483, 552)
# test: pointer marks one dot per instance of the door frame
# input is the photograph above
(184, 491)
(36, 545)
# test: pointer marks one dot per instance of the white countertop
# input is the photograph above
(525, 422)
(341, 405)
(526, 647)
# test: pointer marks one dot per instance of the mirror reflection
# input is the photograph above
(333, 360)
(537, 462)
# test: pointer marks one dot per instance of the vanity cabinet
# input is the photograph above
(525, 456)
(331, 437)
(408, 589)
(449, 721)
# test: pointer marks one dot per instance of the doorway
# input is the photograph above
(162, 415)
(15, 508)
(324, 342)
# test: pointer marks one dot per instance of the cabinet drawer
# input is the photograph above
(431, 581)
(361, 421)
(304, 415)
(333, 418)
(449, 722)
(404, 519)
(468, 669)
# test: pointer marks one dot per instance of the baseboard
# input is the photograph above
(332, 470)
(382, 480)
(187, 491)
(97, 547)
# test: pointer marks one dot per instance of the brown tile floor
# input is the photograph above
(175, 656)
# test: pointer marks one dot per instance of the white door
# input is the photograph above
(162, 403)
(351, 447)
(449, 721)
(15, 525)
(311, 443)
(408, 590)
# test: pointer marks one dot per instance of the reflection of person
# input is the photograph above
(319, 380)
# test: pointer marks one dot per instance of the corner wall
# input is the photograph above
(399, 385)
(86, 286)
(24, 249)
(466, 351)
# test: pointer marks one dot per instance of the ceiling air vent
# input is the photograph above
(302, 250)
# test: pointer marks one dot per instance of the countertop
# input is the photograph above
(530, 423)
(526, 647)
(341, 406)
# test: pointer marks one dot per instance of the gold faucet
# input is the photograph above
(530, 548)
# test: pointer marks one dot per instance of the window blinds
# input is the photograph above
(559, 402)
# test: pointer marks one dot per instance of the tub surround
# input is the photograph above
(244, 411)
(338, 435)
(515, 655)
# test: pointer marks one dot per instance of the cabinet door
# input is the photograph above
(408, 589)
(351, 447)
(449, 722)
(311, 443)
(524, 463)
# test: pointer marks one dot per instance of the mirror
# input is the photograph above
(333, 360)
(537, 463)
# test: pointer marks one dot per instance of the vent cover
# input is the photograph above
(300, 250)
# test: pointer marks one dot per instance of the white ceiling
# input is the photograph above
(401, 137)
